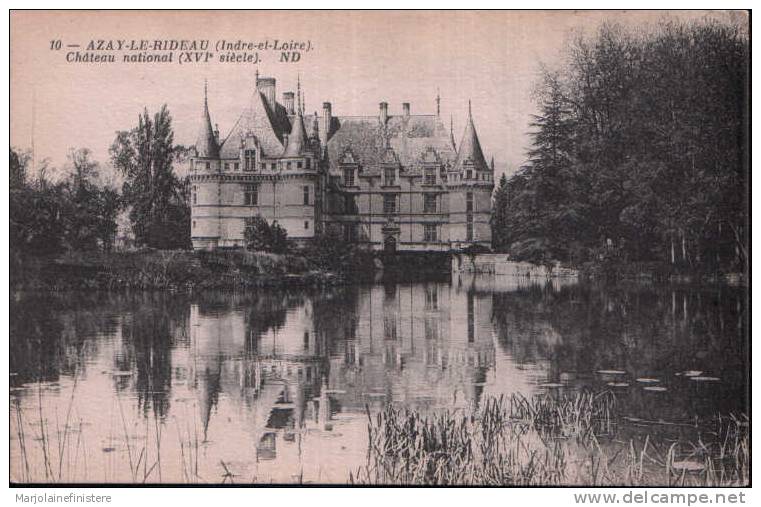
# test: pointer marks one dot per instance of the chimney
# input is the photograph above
(383, 112)
(288, 102)
(266, 85)
(406, 108)
(325, 125)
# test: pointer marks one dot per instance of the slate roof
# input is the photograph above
(266, 124)
(206, 142)
(297, 140)
(409, 138)
(470, 152)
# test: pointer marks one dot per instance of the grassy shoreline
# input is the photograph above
(550, 441)
(175, 270)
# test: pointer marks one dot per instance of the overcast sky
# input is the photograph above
(359, 59)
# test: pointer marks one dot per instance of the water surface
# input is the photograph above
(275, 386)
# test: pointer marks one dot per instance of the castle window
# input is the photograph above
(262, 166)
(236, 166)
(429, 203)
(430, 176)
(349, 176)
(195, 195)
(469, 228)
(298, 165)
(350, 232)
(273, 166)
(469, 174)
(431, 328)
(249, 160)
(389, 203)
(389, 176)
(227, 166)
(389, 327)
(208, 165)
(309, 163)
(251, 195)
(429, 232)
(350, 206)
(469, 202)
(306, 196)
(194, 224)
(287, 165)
(431, 297)
(306, 224)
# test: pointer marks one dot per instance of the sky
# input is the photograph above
(358, 59)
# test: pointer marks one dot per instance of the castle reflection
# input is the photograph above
(297, 364)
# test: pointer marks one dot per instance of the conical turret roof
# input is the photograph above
(297, 140)
(470, 148)
(206, 142)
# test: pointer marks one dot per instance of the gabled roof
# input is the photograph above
(259, 120)
(408, 138)
(206, 142)
(470, 152)
(297, 140)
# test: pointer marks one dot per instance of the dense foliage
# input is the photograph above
(47, 217)
(260, 235)
(640, 152)
(157, 199)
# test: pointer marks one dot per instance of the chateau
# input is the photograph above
(388, 182)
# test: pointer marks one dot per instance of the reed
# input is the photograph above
(544, 440)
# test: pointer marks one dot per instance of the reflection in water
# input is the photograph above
(276, 386)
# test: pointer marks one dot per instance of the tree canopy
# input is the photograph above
(640, 148)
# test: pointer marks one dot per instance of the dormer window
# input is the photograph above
(430, 176)
(389, 176)
(249, 160)
(348, 176)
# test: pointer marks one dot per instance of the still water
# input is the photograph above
(275, 386)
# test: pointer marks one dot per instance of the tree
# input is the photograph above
(499, 216)
(159, 210)
(259, 235)
(92, 209)
(641, 143)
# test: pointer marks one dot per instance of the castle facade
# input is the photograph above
(387, 182)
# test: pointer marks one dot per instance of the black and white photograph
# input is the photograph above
(380, 248)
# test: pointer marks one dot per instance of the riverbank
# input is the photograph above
(656, 272)
(168, 270)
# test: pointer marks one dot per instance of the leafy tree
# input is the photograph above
(159, 210)
(640, 150)
(499, 216)
(92, 210)
(259, 235)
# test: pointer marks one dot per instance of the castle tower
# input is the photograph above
(473, 181)
(206, 142)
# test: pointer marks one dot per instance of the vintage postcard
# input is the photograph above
(505, 248)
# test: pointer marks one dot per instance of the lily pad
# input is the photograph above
(705, 379)
(611, 372)
(648, 380)
(655, 388)
(618, 384)
(688, 465)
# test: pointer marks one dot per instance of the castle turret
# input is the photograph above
(470, 153)
(297, 139)
(206, 142)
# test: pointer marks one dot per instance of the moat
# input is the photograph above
(275, 386)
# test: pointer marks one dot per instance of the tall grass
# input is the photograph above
(544, 440)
